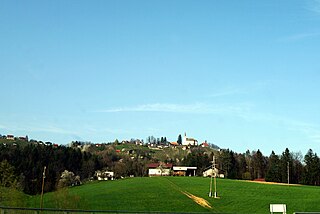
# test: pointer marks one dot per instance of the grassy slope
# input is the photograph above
(164, 194)
(138, 194)
(247, 197)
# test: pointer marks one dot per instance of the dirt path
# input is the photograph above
(274, 183)
(202, 202)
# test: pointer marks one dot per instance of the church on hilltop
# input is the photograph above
(188, 141)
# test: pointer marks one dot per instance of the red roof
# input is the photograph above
(205, 144)
(156, 165)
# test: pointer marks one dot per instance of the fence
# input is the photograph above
(20, 210)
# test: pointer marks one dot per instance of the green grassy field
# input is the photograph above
(165, 194)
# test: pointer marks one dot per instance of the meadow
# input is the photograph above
(172, 194)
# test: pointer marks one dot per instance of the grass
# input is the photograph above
(165, 194)
(248, 197)
(136, 194)
(13, 198)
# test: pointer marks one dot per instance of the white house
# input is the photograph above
(188, 141)
(104, 175)
(159, 169)
(210, 172)
(10, 137)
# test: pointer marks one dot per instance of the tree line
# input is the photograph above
(28, 164)
(285, 168)
(22, 166)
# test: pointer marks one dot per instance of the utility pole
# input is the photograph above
(215, 179)
(288, 170)
(210, 190)
(43, 177)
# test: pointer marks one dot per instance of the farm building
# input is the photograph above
(159, 169)
(184, 171)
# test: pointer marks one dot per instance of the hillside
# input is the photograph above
(128, 160)
(4, 141)
(178, 194)
(13, 198)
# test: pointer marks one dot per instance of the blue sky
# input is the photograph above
(240, 74)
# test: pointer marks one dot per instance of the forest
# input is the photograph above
(22, 164)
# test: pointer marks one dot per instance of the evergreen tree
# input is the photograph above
(162, 140)
(285, 162)
(179, 141)
(242, 166)
(273, 170)
(259, 165)
(298, 168)
(232, 173)
(227, 163)
(312, 168)
(249, 162)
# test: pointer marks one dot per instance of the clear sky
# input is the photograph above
(240, 74)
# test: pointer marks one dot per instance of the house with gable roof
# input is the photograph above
(159, 169)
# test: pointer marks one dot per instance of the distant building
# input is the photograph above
(10, 137)
(24, 138)
(133, 141)
(48, 143)
(188, 141)
(211, 172)
(184, 171)
(174, 144)
(205, 144)
(159, 169)
(104, 175)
